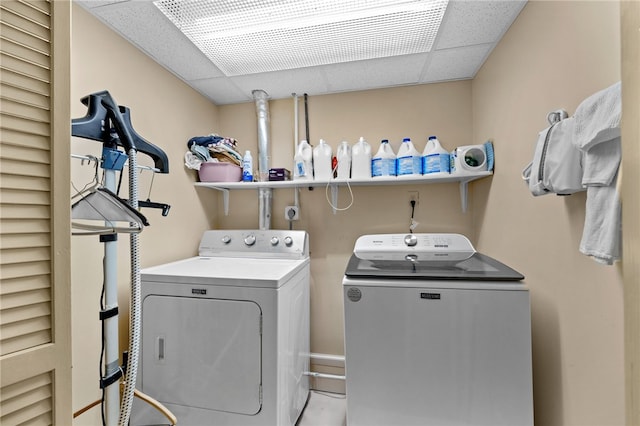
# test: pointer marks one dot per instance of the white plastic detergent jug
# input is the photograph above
(409, 161)
(361, 160)
(435, 159)
(322, 161)
(303, 162)
(384, 162)
(344, 160)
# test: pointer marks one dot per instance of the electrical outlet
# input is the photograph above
(414, 196)
(291, 213)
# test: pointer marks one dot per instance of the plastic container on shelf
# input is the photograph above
(435, 159)
(361, 160)
(409, 160)
(322, 161)
(468, 159)
(219, 172)
(303, 162)
(384, 162)
(344, 160)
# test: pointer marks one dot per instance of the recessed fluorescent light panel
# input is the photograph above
(254, 36)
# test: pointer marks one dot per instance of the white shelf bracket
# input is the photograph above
(225, 198)
(464, 188)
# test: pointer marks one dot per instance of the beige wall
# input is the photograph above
(165, 112)
(415, 112)
(577, 304)
(630, 22)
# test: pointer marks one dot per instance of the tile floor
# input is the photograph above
(324, 409)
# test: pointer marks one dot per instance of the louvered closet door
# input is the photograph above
(35, 349)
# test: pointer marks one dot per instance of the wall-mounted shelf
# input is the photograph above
(225, 187)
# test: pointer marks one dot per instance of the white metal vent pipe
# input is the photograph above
(264, 146)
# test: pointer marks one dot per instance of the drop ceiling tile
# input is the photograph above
(220, 90)
(375, 73)
(455, 64)
(281, 84)
(479, 23)
(143, 25)
(90, 4)
(476, 22)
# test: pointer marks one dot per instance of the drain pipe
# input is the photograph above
(327, 360)
(265, 194)
(324, 375)
(296, 135)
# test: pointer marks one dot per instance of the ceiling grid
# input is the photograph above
(226, 48)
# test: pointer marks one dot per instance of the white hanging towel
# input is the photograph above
(597, 135)
(602, 233)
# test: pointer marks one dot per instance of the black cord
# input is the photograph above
(119, 183)
(413, 209)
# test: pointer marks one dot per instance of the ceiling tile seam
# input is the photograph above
(434, 46)
(464, 46)
(249, 96)
(425, 67)
(443, 24)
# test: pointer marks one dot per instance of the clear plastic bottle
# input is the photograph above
(247, 167)
(409, 159)
(384, 162)
(361, 160)
(344, 160)
(322, 161)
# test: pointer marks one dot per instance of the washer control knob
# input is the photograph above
(288, 241)
(250, 240)
(410, 240)
(226, 239)
(274, 241)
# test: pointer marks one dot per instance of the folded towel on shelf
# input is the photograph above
(598, 118)
(597, 135)
(221, 148)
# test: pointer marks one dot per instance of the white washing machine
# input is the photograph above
(435, 334)
(225, 335)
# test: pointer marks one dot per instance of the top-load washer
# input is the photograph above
(435, 334)
(225, 335)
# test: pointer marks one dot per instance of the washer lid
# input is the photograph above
(476, 267)
(424, 256)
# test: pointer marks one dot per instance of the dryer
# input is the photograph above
(435, 334)
(225, 334)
